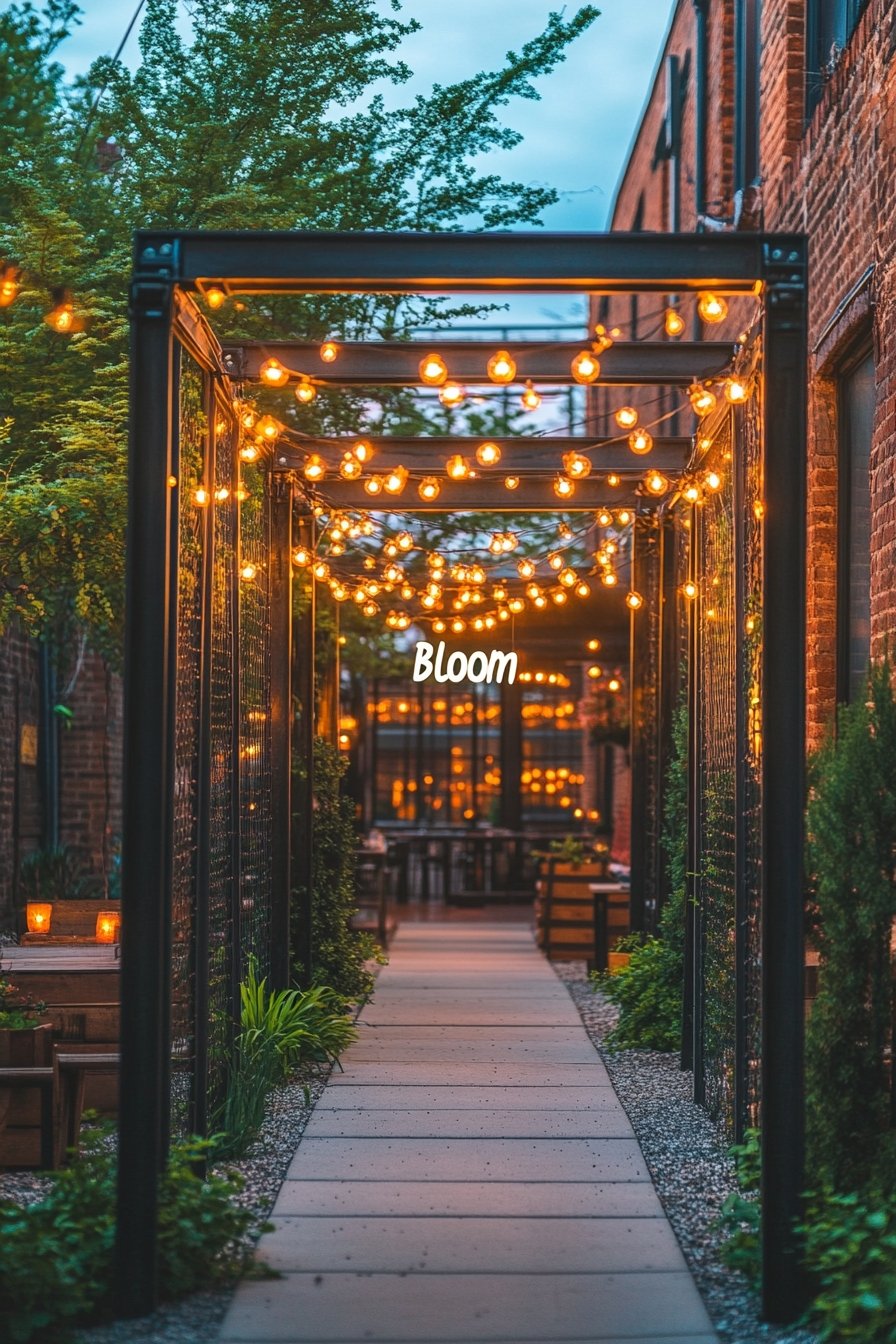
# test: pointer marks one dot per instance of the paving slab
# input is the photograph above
(438, 1123)
(440, 1245)
(464, 1199)
(436, 1307)
(470, 1175)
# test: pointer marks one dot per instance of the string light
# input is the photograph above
(301, 557)
(568, 577)
(563, 487)
(614, 684)
(736, 390)
(201, 496)
(530, 399)
(429, 488)
(457, 467)
(593, 645)
(584, 367)
(691, 492)
(433, 370)
(526, 569)
(511, 482)
(488, 454)
(249, 452)
(452, 394)
(215, 296)
(61, 316)
(656, 483)
(689, 589)
(321, 571)
(395, 481)
(248, 418)
(634, 601)
(315, 468)
(273, 373)
(501, 367)
(576, 465)
(374, 485)
(612, 479)
(269, 428)
(305, 391)
(595, 671)
(703, 399)
(9, 285)
(222, 494)
(626, 417)
(405, 541)
(370, 608)
(673, 322)
(558, 596)
(712, 481)
(329, 351)
(711, 307)
(350, 468)
(248, 571)
(583, 589)
(623, 517)
(640, 442)
(609, 579)
(604, 518)
(555, 560)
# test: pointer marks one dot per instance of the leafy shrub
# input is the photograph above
(18, 1009)
(56, 1256)
(740, 1213)
(851, 1253)
(648, 991)
(852, 863)
(339, 952)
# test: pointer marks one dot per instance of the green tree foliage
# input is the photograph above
(265, 115)
(852, 862)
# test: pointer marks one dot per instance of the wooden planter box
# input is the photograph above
(24, 1048)
(565, 908)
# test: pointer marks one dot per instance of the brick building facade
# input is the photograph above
(60, 774)
(799, 98)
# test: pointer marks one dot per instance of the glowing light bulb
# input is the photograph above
(511, 482)
(321, 571)
(576, 465)
(555, 560)
(711, 307)
(248, 571)
(305, 391)
(563, 487)
(530, 399)
(533, 590)
(350, 468)
(691, 492)
(488, 453)
(703, 399)
(61, 316)
(374, 485)
(215, 297)
(201, 496)
(623, 517)
(222, 494)
(568, 577)
(612, 479)
(405, 541)
(395, 481)
(626, 417)
(583, 589)
(516, 605)
(656, 483)
(712, 481)
(673, 322)
(329, 351)
(370, 608)
(362, 450)
(585, 368)
(690, 589)
(737, 390)
(614, 684)
(248, 418)
(458, 625)
(273, 373)
(452, 394)
(249, 452)
(634, 600)
(439, 626)
(496, 545)
(640, 442)
(526, 569)
(9, 285)
(558, 596)
(315, 468)
(604, 518)
(501, 367)
(268, 428)
(301, 557)
(457, 467)
(242, 494)
(433, 370)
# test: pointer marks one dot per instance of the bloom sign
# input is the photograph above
(430, 661)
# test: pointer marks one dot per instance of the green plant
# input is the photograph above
(51, 875)
(309, 1024)
(852, 864)
(648, 991)
(569, 850)
(18, 1010)
(740, 1213)
(56, 1255)
(851, 1255)
(340, 953)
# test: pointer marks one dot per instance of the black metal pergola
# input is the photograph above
(167, 326)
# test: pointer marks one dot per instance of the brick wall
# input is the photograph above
(833, 178)
(89, 760)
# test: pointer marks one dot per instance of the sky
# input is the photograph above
(575, 138)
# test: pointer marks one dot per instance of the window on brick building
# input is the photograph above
(829, 26)
(857, 400)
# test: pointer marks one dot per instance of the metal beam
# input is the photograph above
(416, 263)
(282, 719)
(518, 455)
(485, 494)
(396, 363)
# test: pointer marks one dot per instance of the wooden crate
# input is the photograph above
(30, 1047)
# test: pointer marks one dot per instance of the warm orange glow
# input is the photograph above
(501, 367)
(585, 368)
(315, 468)
(576, 465)
(488, 454)
(640, 442)
(674, 322)
(711, 307)
(530, 398)
(457, 467)
(656, 483)
(328, 351)
(563, 487)
(452, 394)
(350, 468)
(273, 373)
(108, 923)
(626, 417)
(511, 482)
(429, 488)
(38, 915)
(433, 370)
(215, 297)
(305, 391)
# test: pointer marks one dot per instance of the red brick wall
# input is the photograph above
(89, 761)
(834, 179)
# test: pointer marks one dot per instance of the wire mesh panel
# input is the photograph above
(255, 719)
(192, 428)
(647, 759)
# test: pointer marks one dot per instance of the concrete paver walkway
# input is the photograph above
(471, 1175)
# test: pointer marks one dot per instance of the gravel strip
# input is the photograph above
(686, 1153)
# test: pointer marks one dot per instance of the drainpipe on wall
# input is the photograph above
(48, 748)
(701, 12)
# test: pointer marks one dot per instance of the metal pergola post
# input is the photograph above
(303, 815)
(146, 875)
(783, 773)
(281, 726)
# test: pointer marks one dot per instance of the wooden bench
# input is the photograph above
(43, 1080)
(71, 1070)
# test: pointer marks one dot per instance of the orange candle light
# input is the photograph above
(38, 915)
(108, 923)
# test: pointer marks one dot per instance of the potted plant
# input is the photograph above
(25, 1037)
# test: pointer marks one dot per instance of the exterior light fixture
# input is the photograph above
(673, 322)
(531, 400)
(585, 368)
(711, 307)
(501, 367)
(488, 454)
(433, 370)
(640, 442)
(273, 373)
(626, 417)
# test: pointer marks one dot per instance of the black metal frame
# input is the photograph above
(167, 265)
